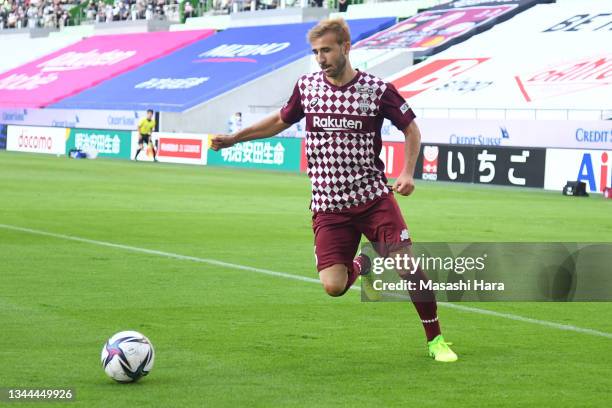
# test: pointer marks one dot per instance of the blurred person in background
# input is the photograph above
(145, 130)
(235, 122)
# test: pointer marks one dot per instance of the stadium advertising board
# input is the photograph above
(511, 133)
(430, 30)
(482, 165)
(73, 118)
(3, 129)
(36, 139)
(593, 167)
(278, 153)
(184, 148)
(392, 155)
(208, 68)
(107, 143)
(84, 64)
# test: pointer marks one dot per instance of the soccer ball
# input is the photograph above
(127, 356)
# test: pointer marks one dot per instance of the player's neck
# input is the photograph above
(347, 76)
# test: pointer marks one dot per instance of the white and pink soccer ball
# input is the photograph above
(127, 356)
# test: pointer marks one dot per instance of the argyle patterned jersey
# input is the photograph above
(343, 141)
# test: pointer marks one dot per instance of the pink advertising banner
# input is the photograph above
(85, 64)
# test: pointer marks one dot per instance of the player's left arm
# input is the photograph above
(395, 108)
(404, 184)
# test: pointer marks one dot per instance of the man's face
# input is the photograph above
(330, 55)
(149, 115)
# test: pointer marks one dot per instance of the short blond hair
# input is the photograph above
(332, 25)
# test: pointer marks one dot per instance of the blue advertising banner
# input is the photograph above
(3, 137)
(208, 68)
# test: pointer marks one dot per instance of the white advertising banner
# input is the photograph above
(73, 118)
(185, 148)
(36, 139)
(570, 134)
(589, 166)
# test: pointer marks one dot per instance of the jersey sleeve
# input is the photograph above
(395, 108)
(292, 111)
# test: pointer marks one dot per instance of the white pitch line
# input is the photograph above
(546, 323)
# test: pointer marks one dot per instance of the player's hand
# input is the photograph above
(404, 185)
(219, 142)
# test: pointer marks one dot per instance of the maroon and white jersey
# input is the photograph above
(343, 140)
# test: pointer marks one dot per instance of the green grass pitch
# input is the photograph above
(230, 337)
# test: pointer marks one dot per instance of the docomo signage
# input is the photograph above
(36, 139)
(185, 148)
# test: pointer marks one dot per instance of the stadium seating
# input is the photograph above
(547, 62)
(400, 9)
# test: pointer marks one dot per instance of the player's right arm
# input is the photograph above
(267, 127)
(291, 113)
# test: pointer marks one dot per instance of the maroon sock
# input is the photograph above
(353, 273)
(425, 304)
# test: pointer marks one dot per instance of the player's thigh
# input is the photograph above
(336, 240)
(384, 226)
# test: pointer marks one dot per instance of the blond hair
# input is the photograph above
(332, 25)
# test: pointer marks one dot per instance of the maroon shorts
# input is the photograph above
(337, 235)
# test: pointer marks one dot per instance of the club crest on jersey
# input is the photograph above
(364, 105)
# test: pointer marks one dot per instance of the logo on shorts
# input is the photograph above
(404, 235)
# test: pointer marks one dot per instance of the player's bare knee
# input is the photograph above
(334, 279)
(334, 290)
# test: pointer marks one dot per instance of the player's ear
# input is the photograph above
(346, 47)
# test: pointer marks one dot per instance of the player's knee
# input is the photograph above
(334, 279)
(334, 289)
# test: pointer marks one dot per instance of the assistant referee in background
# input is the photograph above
(145, 130)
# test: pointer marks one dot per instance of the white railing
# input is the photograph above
(514, 114)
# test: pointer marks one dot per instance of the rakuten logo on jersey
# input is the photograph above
(244, 50)
(331, 123)
(71, 61)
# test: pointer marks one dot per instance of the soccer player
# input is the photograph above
(145, 129)
(344, 110)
